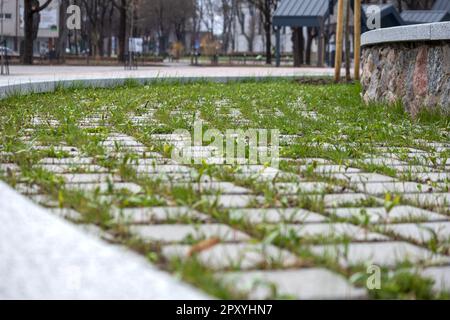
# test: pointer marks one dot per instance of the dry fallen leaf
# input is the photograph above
(203, 245)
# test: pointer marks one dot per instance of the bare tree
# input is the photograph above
(122, 7)
(266, 9)
(228, 14)
(32, 18)
(246, 16)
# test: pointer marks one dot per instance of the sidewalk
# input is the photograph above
(33, 74)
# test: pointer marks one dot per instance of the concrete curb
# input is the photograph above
(50, 86)
(414, 33)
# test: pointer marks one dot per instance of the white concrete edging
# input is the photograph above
(45, 257)
(413, 33)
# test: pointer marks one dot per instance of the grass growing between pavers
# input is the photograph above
(327, 132)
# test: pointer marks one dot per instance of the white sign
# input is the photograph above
(49, 18)
(136, 45)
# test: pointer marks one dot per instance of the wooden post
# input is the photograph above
(357, 42)
(278, 46)
(339, 38)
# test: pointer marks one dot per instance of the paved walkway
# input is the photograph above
(32, 74)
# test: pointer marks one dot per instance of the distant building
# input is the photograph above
(12, 25)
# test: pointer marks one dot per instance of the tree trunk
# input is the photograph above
(122, 30)
(348, 76)
(268, 27)
(27, 57)
(309, 42)
(63, 32)
(298, 47)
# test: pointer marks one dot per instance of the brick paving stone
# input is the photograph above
(174, 177)
(5, 167)
(72, 151)
(380, 188)
(276, 215)
(383, 162)
(69, 168)
(104, 187)
(148, 169)
(214, 187)
(307, 161)
(432, 176)
(287, 188)
(422, 232)
(329, 232)
(232, 201)
(44, 200)
(413, 169)
(157, 214)
(67, 213)
(79, 178)
(303, 284)
(336, 200)
(329, 169)
(170, 233)
(388, 254)
(361, 177)
(67, 161)
(377, 215)
(27, 189)
(440, 276)
(241, 256)
(429, 199)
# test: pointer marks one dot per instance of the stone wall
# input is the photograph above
(415, 73)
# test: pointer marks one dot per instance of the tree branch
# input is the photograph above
(45, 5)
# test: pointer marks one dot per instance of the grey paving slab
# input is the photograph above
(241, 255)
(381, 215)
(388, 254)
(157, 214)
(276, 215)
(170, 233)
(303, 284)
(44, 257)
(329, 232)
(422, 232)
(440, 276)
